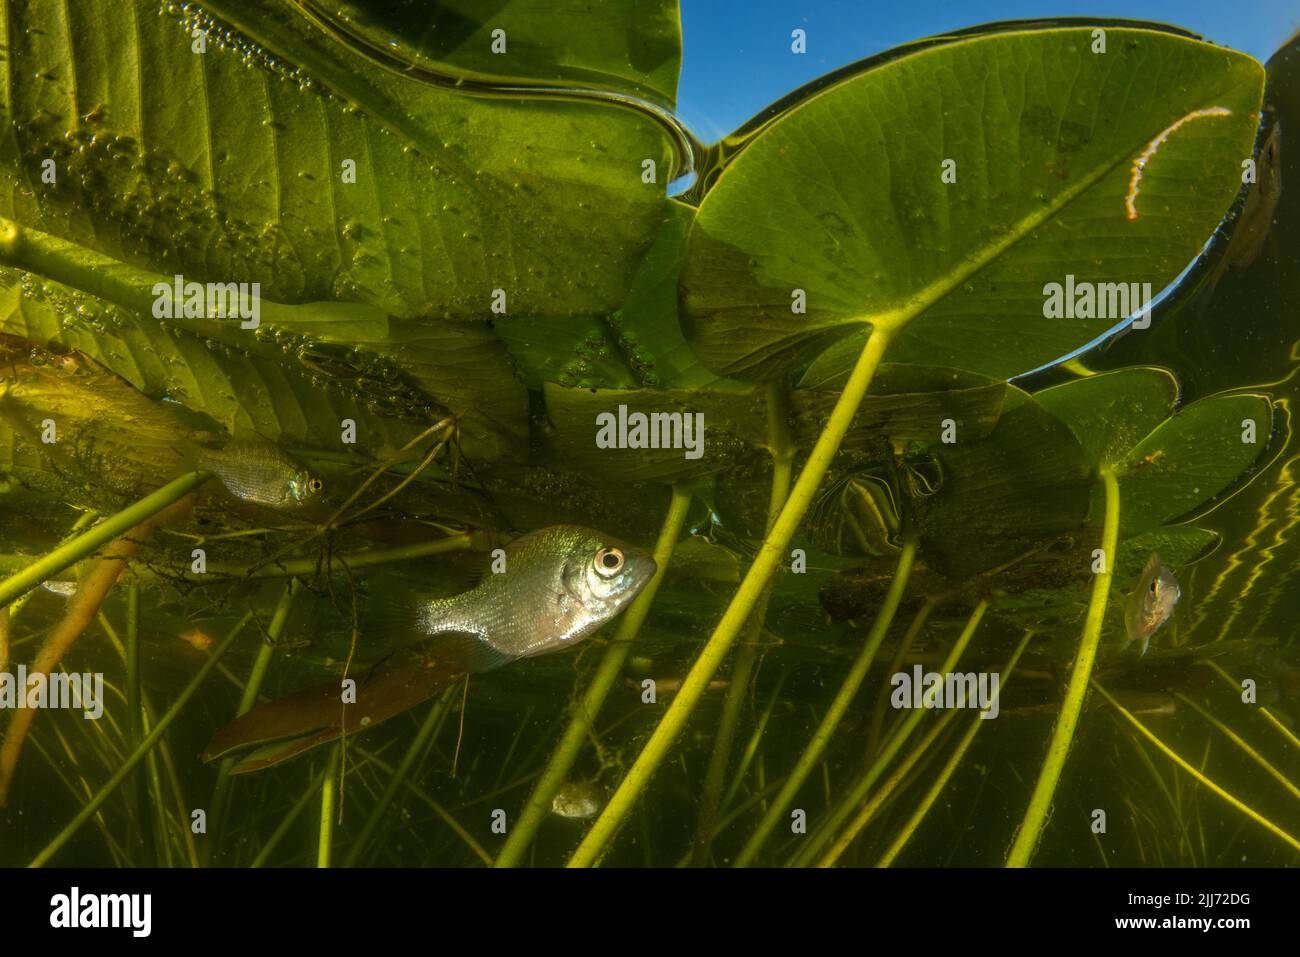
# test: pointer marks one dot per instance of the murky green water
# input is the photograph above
(1168, 764)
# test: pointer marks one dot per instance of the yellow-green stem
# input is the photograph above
(858, 793)
(1040, 802)
(1241, 743)
(217, 818)
(607, 673)
(328, 796)
(782, 449)
(908, 829)
(397, 778)
(91, 539)
(264, 852)
(878, 711)
(838, 707)
(1236, 685)
(770, 555)
(354, 560)
(1190, 769)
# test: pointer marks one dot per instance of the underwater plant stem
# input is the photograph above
(1198, 775)
(1236, 685)
(419, 794)
(887, 789)
(328, 795)
(133, 715)
(91, 539)
(908, 830)
(397, 778)
(882, 701)
(607, 673)
(283, 827)
(1241, 743)
(782, 449)
(153, 737)
(751, 747)
(133, 662)
(80, 612)
(362, 559)
(858, 793)
(769, 557)
(246, 701)
(839, 706)
(1040, 802)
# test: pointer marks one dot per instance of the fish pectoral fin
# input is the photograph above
(473, 653)
(285, 728)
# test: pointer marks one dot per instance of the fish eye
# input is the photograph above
(1155, 586)
(609, 561)
(315, 485)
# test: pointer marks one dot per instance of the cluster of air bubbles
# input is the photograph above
(222, 37)
(75, 310)
(154, 200)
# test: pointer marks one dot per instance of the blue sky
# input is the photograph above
(737, 58)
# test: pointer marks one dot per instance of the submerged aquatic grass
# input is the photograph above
(872, 483)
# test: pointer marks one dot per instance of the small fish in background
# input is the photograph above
(1151, 603)
(577, 800)
(65, 588)
(261, 473)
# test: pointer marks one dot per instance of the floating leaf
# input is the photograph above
(1191, 458)
(735, 421)
(294, 161)
(997, 497)
(835, 199)
(1111, 412)
(633, 46)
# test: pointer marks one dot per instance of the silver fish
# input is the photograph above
(260, 472)
(557, 586)
(1151, 603)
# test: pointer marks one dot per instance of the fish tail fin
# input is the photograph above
(292, 725)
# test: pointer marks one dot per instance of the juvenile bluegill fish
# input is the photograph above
(260, 472)
(1151, 603)
(558, 586)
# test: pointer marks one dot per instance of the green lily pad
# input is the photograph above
(996, 497)
(1111, 412)
(1064, 606)
(1191, 458)
(632, 46)
(235, 163)
(837, 197)
(735, 421)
